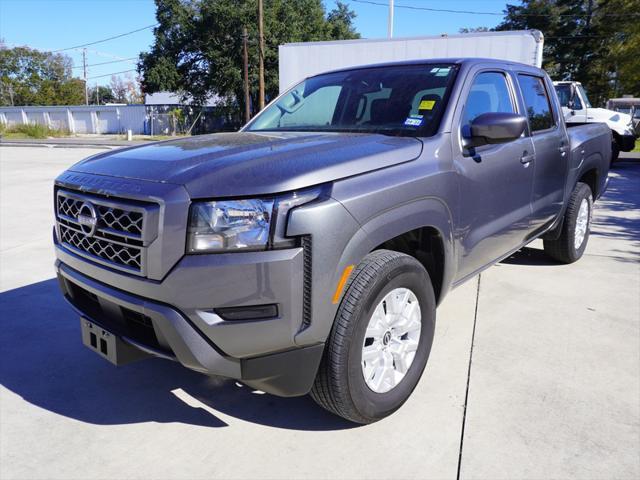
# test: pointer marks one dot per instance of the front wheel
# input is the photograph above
(380, 340)
(571, 244)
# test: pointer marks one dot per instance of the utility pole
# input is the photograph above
(261, 56)
(247, 111)
(390, 24)
(84, 70)
(9, 90)
(97, 95)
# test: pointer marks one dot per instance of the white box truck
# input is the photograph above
(577, 110)
(301, 60)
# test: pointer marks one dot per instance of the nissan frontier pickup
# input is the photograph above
(307, 252)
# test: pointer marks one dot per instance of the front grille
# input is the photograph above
(109, 231)
(104, 249)
(116, 219)
(121, 220)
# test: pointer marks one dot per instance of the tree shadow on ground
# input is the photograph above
(42, 360)
(613, 218)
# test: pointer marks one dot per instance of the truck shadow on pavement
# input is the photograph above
(612, 218)
(44, 362)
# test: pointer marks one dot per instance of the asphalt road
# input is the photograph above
(535, 373)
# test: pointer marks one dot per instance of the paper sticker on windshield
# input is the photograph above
(426, 105)
(413, 121)
(441, 71)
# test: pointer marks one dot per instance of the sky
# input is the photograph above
(60, 24)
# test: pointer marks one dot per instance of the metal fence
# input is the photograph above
(118, 119)
(172, 119)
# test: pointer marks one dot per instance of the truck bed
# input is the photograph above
(590, 150)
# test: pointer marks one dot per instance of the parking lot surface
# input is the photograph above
(535, 373)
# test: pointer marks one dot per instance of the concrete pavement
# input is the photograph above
(553, 376)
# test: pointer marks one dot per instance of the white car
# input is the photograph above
(577, 110)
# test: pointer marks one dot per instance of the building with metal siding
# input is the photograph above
(80, 119)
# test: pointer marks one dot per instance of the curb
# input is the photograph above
(60, 145)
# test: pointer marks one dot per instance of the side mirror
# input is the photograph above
(495, 127)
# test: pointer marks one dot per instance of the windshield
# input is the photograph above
(564, 94)
(392, 100)
(583, 94)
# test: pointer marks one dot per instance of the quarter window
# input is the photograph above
(537, 102)
(489, 93)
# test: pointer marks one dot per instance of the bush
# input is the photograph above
(33, 130)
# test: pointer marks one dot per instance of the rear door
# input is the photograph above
(551, 149)
(495, 180)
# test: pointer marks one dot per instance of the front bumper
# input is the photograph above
(627, 142)
(174, 318)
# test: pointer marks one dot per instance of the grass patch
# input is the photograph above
(637, 148)
(32, 130)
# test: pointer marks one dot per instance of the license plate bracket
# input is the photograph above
(108, 345)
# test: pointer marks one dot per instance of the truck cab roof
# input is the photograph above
(461, 61)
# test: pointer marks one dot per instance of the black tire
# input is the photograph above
(563, 249)
(340, 386)
(615, 151)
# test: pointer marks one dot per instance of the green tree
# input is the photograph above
(32, 77)
(198, 44)
(624, 56)
(100, 95)
(595, 42)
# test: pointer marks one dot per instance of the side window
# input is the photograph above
(537, 102)
(577, 104)
(488, 94)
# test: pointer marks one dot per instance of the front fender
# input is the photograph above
(423, 212)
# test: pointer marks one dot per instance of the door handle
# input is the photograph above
(564, 149)
(527, 158)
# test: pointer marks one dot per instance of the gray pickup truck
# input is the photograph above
(307, 253)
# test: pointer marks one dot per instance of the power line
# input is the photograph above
(412, 7)
(106, 39)
(107, 63)
(446, 10)
(110, 74)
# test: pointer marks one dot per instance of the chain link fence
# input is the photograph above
(184, 120)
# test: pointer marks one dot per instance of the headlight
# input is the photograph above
(229, 225)
(252, 224)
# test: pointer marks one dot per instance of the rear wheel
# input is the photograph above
(571, 244)
(380, 340)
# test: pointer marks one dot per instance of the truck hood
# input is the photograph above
(617, 121)
(247, 163)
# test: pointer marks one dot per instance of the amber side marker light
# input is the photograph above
(343, 280)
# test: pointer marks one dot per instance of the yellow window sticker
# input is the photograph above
(426, 105)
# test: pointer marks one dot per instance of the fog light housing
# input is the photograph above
(252, 312)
